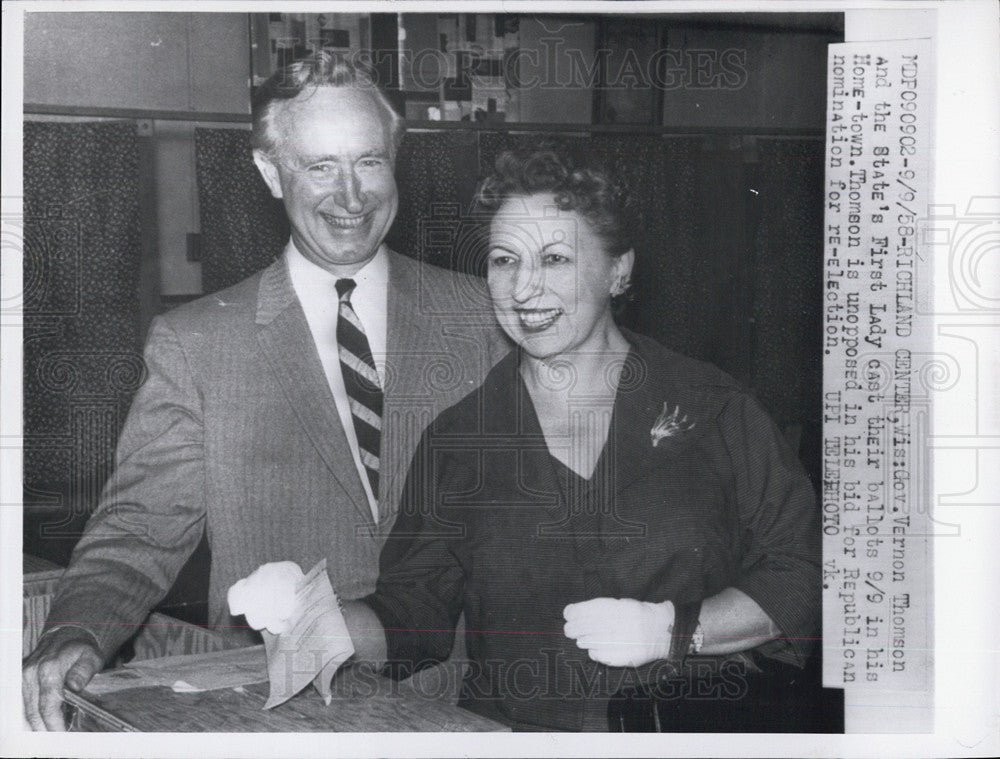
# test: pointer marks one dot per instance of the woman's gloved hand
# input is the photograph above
(621, 632)
(267, 598)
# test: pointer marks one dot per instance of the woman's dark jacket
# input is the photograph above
(491, 525)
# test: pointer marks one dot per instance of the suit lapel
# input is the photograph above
(412, 339)
(410, 329)
(287, 344)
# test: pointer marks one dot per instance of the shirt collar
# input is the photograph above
(371, 279)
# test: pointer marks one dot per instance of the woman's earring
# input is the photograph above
(622, 284)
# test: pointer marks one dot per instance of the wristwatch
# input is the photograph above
(686, 635)
(697, 640)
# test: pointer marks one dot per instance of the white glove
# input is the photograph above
(621, 632)
(267, 598)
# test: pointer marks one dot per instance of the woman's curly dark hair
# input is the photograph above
(578, 183)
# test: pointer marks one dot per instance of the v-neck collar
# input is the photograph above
(626, 449)
(648, 380)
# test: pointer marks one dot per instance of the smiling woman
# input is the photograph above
(617, 509)
(543, 277)
(559, 246)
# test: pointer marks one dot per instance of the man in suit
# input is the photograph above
(279, 416)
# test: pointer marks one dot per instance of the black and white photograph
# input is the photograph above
(406, 370)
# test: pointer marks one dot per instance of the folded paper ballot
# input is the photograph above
(312, 639)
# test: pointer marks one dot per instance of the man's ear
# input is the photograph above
(269, 171)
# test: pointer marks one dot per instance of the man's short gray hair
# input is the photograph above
(322, 69)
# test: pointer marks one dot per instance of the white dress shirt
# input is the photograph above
(316, 290)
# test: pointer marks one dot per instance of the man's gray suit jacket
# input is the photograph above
(235, 432)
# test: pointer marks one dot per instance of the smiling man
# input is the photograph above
(336, 183)
(278, 416)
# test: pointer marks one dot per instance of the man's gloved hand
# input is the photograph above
(621, 632)
(267, 598)
(64, 657)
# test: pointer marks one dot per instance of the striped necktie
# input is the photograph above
(364, 392)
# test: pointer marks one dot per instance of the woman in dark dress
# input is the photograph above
(602, 508)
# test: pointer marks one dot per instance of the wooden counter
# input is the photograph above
(129, 699)
(138, 696)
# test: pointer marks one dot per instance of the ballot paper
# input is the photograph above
(198, 672)
(315, 645)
